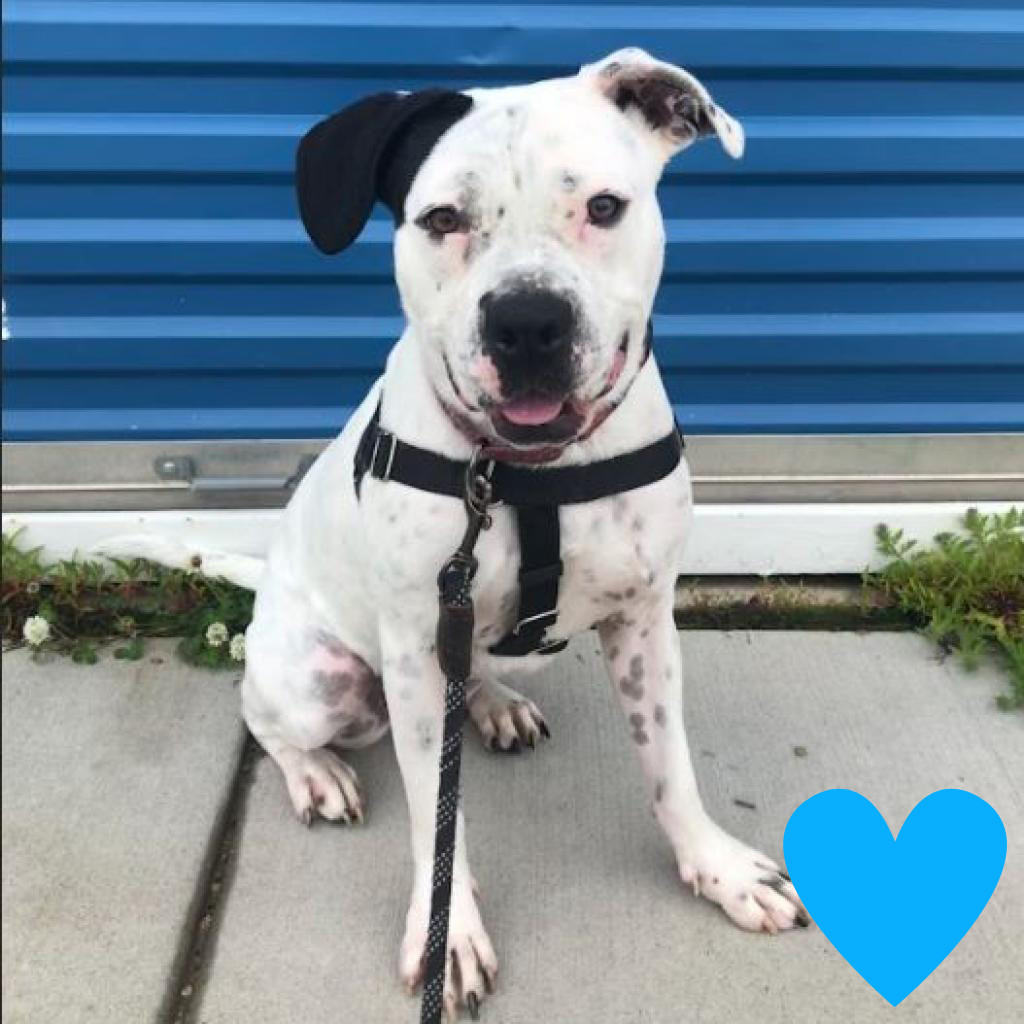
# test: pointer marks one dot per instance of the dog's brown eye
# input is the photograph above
(442, 220)
(604, 209)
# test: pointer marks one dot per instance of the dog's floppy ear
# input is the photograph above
(370, 150)
(675, 106)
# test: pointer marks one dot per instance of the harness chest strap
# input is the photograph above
(535, 493)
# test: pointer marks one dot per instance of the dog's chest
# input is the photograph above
(614, 552)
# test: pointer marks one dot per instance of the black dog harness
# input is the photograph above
(535, 494)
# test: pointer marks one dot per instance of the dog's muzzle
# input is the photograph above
(529, 333)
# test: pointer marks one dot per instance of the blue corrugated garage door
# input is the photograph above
(860, 270)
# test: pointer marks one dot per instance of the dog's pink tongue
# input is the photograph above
(532, 411)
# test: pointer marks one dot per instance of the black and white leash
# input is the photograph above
(454, 651)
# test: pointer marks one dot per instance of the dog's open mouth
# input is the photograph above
(538, 419)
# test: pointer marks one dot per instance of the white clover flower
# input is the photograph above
(36, 630)
(237, 647)
(216, 634)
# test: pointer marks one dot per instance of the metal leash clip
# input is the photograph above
(479, 491)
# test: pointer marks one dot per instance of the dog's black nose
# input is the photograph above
(527, 327)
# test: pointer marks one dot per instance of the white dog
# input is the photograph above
(528, 248)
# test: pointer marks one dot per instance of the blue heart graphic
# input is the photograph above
(895, 908)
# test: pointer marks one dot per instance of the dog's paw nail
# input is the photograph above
(545, 731)
(474, 1005)
(492, 743)
(514, 747)
(803, 920)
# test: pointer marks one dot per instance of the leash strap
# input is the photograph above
(454, 652)
(445, 819)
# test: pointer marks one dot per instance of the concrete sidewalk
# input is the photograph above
(580, 892)
(114, 779)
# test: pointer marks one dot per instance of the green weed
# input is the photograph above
(966, 591)
(87, 604)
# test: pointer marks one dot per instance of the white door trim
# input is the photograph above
(747, 539)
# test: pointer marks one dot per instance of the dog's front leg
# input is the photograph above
(642, 652)
(415, 689)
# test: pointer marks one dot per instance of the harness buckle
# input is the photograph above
(552, 646)
(551, 615)
(392, 443)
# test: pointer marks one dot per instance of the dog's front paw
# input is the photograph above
(472, 964)
(506, 720)
(747, 885)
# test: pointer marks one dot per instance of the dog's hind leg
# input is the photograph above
(298, 705)
(319, 782)
(507, 721)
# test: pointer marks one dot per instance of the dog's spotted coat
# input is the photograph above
(341, 647)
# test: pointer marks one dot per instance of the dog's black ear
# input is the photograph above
(370, 150)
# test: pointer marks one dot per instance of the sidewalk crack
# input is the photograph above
(190, 969)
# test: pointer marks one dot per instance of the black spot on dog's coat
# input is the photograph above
(330, 687)
(639, 723)
(425, 733)
(631, 688)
